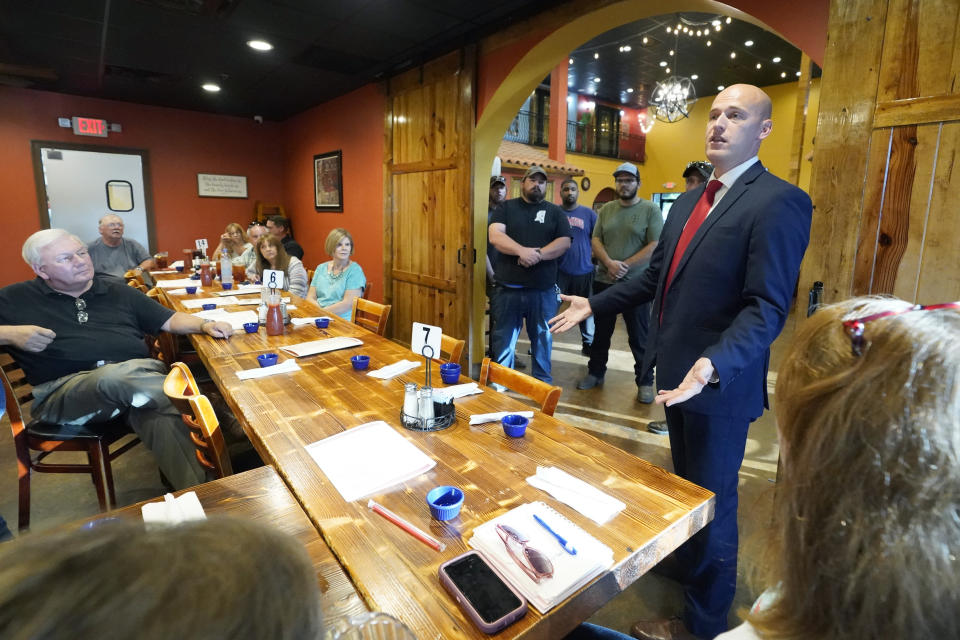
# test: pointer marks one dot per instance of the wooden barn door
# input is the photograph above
(887, 195)
(429, 243)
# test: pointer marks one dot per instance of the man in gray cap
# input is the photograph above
(529, 235)
(696, 173)
(623, 240)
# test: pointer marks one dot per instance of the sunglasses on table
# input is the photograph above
(855, 327)
(534, 563)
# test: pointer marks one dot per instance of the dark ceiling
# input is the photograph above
(160, 52)
(640, 67)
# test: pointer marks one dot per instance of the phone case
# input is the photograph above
(467, 607)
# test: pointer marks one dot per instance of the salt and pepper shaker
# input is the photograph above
(411, 407)
(426, 405)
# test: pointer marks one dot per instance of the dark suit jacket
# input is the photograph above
(730, 294)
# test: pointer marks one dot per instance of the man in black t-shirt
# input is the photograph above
(529, 235)
(80, 342)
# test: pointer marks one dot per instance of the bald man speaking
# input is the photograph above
(721, 281)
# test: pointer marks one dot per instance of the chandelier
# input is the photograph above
(673, 98)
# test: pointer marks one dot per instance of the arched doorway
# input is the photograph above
(530, 63)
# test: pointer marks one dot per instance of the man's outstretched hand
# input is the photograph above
(578, 311)
(698, 376)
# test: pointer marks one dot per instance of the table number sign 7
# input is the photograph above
(423, 336)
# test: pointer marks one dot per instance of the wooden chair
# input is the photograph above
(450, 349)
(310, 273)
(137, 285)
(263, 210)
(546, 395)
(372, 316)
(133, 274)
(197, 413)
(46, 438)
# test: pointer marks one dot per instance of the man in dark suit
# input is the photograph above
(721, 282)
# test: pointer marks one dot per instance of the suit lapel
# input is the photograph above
(733, 194)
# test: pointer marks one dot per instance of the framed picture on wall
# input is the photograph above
(328, 181)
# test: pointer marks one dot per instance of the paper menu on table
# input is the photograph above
(178, 283)
(321, 346)
(196, 303)
(236, 318)
(368, 459)
(570, 572)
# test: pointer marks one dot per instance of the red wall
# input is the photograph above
(180, 144)
(353, 123)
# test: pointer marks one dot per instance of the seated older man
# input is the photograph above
(114, 255)
(80, 341)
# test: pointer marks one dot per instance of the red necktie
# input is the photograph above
(696, 218)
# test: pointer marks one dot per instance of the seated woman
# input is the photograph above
(337, 282)
(867, 529)
(272, 255)
(214, 578)
(238, 249)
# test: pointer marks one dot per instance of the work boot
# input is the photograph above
(589, 382)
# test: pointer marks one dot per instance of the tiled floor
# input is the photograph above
(611, 412)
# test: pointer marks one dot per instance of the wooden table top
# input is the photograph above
(394, 572)
(261, 495)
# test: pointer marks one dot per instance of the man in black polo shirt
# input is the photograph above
(80, 342)
(529, 235)
(279, 226)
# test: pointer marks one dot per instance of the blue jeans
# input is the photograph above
(508, 309)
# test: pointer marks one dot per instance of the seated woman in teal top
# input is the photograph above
(337, 282)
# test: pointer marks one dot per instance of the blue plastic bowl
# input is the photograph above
(515, 426)
(191, 290)
(322, 323)
(227, 286)
(179, 269)
(445, 502)
(450, 373)
(251, 327)
(360, 363)
(267, 359)
(195, 277)
(209, 306)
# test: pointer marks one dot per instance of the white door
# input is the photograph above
(84, 186)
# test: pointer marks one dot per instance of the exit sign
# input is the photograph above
(89, 127)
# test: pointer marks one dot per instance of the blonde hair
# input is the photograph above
(233, 226)
(215, 578)
(334, 238)
(867, 527)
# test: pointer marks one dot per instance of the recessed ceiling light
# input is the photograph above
(626, 48)
(596, 79)
(759, 65)
(259, 45)
(630, 89)
(570, 61)
(622, 113)
(733, 54)
(212, 88)
(720, 87)
(715, 22)
(663, 63)
(776, 59)
(727, 20)
(783, 74)
(709, 43)
(671, 52)
(596, 56)
(716, 28)
(694, 77)
(667, 69)
(645, 40)
(798, 74)
(669, 30)
(748, 43)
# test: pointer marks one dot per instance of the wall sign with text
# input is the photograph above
(212, 185)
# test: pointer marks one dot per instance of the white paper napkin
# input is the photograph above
(182, 292)
(481, 418)
(287, 366)
(178, 282)
(172, 510)
(301, 321)
(162, 271)
(178, 263)
(395, 369)
(443, 394)
(220, 302)
(588, 500)
(256, 301)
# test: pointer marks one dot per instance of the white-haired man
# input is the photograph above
(114, 255)
(80, 342)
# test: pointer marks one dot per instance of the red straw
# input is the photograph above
(406, 526)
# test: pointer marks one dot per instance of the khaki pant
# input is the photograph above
(134, 387)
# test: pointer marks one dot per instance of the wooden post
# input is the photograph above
(557, 149)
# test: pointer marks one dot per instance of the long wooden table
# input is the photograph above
(261, 495)
(394, 572)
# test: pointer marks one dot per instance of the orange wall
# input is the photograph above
(180, 144)
(353, 123)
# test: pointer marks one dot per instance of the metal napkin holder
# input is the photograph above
(444, 413)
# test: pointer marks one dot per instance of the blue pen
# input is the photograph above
(563, 543)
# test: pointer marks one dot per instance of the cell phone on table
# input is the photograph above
(481, 592)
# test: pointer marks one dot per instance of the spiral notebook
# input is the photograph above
(570, 572)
